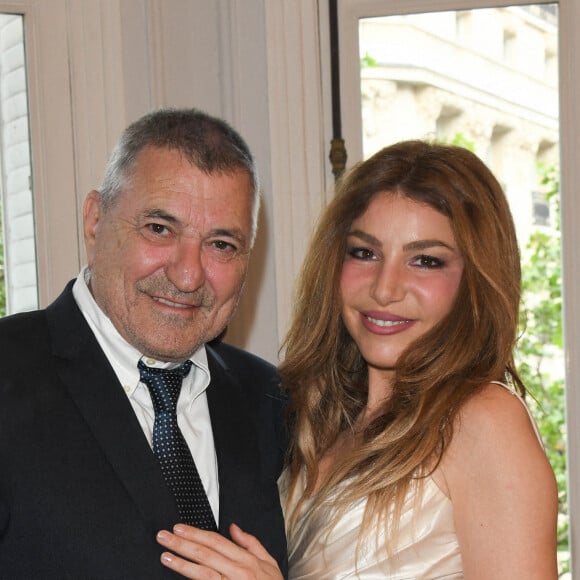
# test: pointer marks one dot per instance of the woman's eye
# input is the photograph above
(428, 262)
(361, 253)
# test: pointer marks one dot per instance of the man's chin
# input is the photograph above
(168, 350)
(164, 356)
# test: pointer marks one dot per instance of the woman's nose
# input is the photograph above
(389, 283)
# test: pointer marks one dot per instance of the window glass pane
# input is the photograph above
(18, 280)
(487, 79)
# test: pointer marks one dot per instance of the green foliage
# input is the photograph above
(539, 354)
(460, 140)
(367, 61)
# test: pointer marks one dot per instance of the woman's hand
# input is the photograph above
(208, 555)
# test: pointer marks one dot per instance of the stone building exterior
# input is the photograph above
(487, 77)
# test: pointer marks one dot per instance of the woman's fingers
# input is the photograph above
(189, 569)
(250, 543)
(202, 555)
(194, 554)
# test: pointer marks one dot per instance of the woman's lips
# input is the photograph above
(385, 323)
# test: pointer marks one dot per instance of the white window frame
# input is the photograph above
(349, 13)
(50, 123)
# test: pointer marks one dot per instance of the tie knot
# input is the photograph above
(164, 384)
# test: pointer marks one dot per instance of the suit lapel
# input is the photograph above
(99, 397)
(96, 392)
(235, 442)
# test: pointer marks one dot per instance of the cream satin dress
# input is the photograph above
(427, 546)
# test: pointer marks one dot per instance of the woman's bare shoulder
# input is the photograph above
(494, 413)
(502, 487)
(494, 437)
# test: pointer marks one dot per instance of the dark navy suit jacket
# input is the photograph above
(81, 493)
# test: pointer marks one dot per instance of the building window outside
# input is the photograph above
(541, 211)
(18, 278)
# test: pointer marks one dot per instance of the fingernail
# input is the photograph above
(166, 557)
(163, 536)
(178, 529)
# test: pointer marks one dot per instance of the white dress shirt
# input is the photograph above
(192, 410)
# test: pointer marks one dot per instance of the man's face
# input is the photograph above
(168, 260)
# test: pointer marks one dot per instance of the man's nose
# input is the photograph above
(186, 266)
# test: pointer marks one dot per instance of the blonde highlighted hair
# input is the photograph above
(324, 372)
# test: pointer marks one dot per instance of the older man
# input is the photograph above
(117, 417)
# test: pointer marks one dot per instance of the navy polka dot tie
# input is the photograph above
(169, 446)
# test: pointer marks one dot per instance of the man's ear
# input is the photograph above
(92, 212)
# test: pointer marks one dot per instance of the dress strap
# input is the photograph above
(532, 419)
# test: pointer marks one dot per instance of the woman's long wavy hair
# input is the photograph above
(325, 373)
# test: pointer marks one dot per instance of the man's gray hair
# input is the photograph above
(207, 142)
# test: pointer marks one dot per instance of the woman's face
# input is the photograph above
(400, 276)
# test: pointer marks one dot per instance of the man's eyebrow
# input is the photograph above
(160, 213)
(235, 233)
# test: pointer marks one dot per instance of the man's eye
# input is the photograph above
(158, 229)
(223, 246)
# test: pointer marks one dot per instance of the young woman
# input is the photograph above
(412, 453)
